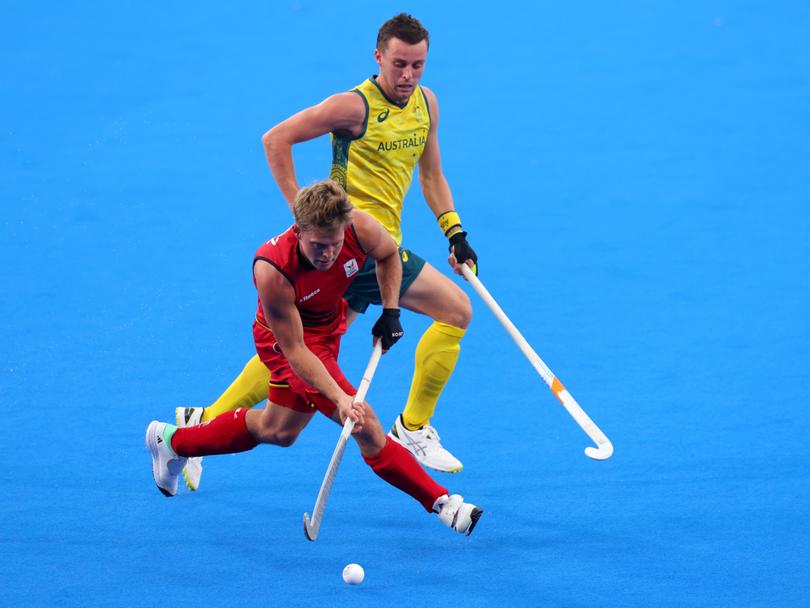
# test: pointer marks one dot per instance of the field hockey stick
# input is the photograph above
(604, 449)
(312, 527)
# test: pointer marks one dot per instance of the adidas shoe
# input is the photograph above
(190, 416)
(456, 514)
(425, 445)
(166, 465)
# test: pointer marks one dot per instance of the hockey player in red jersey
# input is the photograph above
(300, 277)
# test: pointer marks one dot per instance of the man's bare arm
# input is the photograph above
(344, 112)
(379, 245)
(434, 185)
(437, 194)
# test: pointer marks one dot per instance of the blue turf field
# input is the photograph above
(635, 181)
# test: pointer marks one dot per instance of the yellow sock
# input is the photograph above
(249, 389)
(436, 356)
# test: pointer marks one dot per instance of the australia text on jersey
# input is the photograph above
(396, 144)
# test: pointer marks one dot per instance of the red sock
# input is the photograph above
(398, 467)
(225, 434)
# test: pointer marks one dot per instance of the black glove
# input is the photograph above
(388, 328)
(462, 251)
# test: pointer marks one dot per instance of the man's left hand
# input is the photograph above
(388, 328)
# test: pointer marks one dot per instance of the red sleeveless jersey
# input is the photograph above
(318, 293)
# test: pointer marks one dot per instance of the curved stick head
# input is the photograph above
(310, 531)
(603, 452)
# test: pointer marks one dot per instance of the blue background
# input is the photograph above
(635, 180)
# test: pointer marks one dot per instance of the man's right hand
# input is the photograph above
(347, 408)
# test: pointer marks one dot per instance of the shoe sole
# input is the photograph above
(474, 517)
(153, 450)
(188, 481)
(427, 466)
(181, 423)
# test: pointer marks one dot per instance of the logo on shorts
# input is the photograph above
(351, 267)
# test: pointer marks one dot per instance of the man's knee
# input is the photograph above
(371, 420)
(372, 437)
(465, 311)
(458, 310)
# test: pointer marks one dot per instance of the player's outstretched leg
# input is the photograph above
(397, 466)
(237, 431)
(246, 391)
(166, 465)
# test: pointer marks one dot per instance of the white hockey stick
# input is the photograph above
(604, 449)
(311, 527)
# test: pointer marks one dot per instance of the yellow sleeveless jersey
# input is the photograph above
(376, 167)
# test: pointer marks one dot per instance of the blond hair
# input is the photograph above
(323, 206)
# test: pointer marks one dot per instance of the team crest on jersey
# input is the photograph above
(351, 267)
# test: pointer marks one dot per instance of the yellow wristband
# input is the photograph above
(448, 220)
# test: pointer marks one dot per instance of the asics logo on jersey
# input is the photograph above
(351, 267)
(382, 116)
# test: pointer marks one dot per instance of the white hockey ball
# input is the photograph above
(354, 574)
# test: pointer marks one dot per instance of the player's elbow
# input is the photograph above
(275, 138)
(277, 145)
(426, 178)
(430, 172)
(268, 139)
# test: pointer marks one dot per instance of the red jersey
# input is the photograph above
(318, 293)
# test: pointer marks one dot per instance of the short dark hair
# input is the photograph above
(405, 27)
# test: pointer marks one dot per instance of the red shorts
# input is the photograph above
(286, 388)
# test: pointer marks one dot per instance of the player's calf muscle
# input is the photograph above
(271, 431)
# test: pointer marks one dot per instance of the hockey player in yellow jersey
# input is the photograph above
(380, 131)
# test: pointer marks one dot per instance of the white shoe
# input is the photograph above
(190, 416)
(456, 514)
(425, 445)
(166, 465)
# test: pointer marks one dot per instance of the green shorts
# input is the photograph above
(364, 290)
